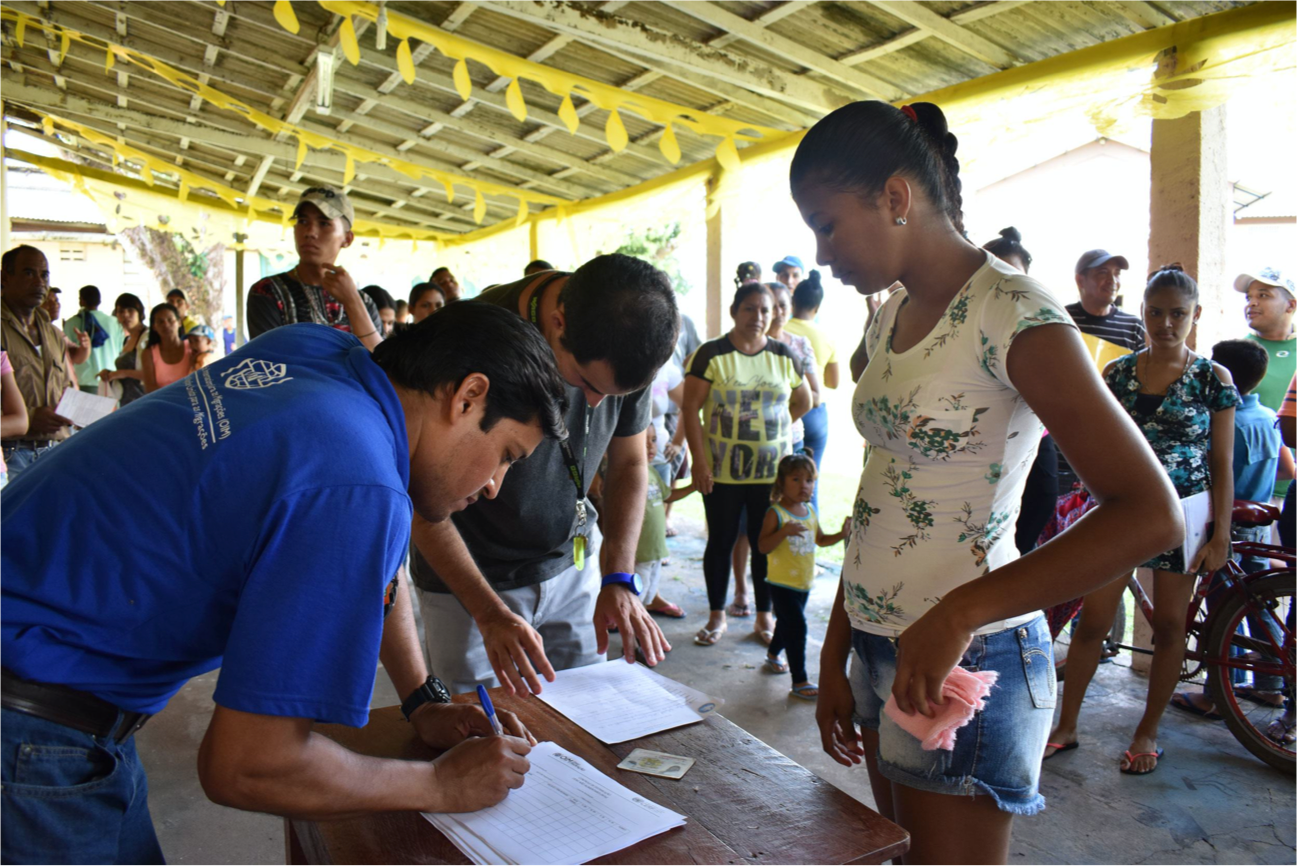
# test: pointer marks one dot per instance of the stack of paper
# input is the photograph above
(617, 702)
(565, 812)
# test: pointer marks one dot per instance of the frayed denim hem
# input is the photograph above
(1015, 801)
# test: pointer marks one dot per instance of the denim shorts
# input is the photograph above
(999, 751)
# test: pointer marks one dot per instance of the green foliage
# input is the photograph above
(658, 246)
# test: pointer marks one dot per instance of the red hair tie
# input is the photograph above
(910, 113)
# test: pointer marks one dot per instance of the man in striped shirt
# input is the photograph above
(1098, 279)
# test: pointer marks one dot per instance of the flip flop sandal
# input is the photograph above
(739, 610)
(1248, 693)
(765, 635)
(1282, 732)
(774, 666)
(708, 636)
(808, 692)
(1060, 748)
(673, 611)
(1182, 701)
(1130, 770)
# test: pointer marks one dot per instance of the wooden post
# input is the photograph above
(240, 302)
(714, 267)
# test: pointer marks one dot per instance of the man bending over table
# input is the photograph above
(306, 459)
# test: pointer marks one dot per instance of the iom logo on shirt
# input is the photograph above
(253, 373)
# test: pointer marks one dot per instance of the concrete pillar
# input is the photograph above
(1189, 209)
(4, 188)
(715, 277)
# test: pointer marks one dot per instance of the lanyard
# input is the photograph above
(575, 470)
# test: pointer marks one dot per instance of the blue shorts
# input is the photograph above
(1000, 750)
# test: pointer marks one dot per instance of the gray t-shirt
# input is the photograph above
(524, 535)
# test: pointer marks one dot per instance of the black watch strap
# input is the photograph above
(433, 691)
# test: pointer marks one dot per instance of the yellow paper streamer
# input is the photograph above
(286, 17)
(349, 172)
(669, 146)
(347, 38)
(64, 42)
(523, 213)
(184, 191)
(108, 61)
(513, 99)
(567, 114)
(301, 154)
(20, 29)
(615, 132)
(405, 61)
(463, 83)
(728, 155)
(479, 209)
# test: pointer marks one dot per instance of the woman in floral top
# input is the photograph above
(964, 365)
(1184, 405)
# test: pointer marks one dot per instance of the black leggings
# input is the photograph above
(790, 628)
(723, 506)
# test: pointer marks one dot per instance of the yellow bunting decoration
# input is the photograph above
(567, 114)
(286, 17)
(184, 190)
(405, 61)
(523, 212)
(47, 125)
(450, 191)
(301, 154)
(463, 83)
(108, 61)
(64, 41)
(615, 132)
(669, 146)
(20, 28)
(479, 208)
(146, 173)
(349, 173)
(513, 99)
(350, 45)
(728, 155)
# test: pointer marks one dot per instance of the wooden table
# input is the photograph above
(746, 803)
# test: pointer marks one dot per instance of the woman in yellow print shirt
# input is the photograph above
(749, 390)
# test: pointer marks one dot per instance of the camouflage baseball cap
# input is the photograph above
(331, 201)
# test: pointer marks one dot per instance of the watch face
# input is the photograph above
(637, 583)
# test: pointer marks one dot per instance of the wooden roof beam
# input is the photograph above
(948, 31)
(918, 34)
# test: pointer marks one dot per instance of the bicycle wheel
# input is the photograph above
(1255, 655)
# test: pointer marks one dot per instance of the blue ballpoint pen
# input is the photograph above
(489, 709)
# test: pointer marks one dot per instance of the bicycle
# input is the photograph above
(1224, 612)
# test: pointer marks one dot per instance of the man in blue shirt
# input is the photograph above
(305, 459)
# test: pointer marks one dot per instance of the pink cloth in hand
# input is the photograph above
(965, 693)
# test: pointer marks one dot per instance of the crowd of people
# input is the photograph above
(593, 386)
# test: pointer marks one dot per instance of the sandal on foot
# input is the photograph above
(1130, 759)
(1184, 701)
(1060, 747)
(806, 692)
(739, 610)
(1282, 732)
(708, 636)
(674, 611)
(774, 666)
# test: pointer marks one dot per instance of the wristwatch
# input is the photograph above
(433, 691)
(633, 582)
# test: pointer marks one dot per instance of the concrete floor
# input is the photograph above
(1209, 802)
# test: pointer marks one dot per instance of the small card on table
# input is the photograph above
(656, 764)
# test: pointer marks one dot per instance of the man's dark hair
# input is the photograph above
(177, 293)
(443, 350)
(1245, 360)
(538, 265)
(9, 260)
(90, 297)
(417, 293)
(809, 293)
(622, 310)
(441, 270)
(382, 300)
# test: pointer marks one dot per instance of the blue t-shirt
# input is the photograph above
(248, 517)
(1256, 450)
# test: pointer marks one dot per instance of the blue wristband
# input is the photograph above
(633, 582)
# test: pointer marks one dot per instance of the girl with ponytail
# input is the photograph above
(965, 363)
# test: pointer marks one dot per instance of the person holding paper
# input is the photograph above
(516, 588)
(1184, 405)
(281, 581)
(42, 358)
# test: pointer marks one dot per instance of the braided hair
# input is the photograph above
(748, 272)
(859, 146)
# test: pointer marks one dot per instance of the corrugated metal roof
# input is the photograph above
(671, 51)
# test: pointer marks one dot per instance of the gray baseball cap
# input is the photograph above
(1269, 276)
(331, 201)
(1095, 258)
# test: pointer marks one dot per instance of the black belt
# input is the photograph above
(69, 707)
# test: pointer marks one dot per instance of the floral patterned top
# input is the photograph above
(1180, 429)
(952, 443)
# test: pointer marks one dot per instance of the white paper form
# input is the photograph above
(1197, 520)
(84, 409)
(617, 702)
(565, 812)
